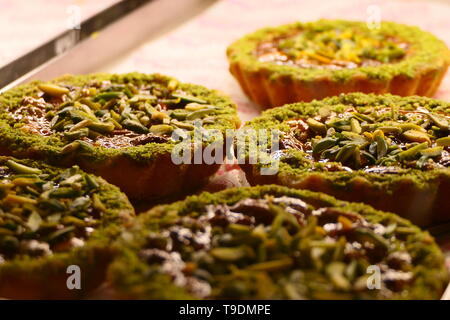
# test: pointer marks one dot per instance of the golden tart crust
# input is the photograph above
(51, 219)
(387, 151)
(116, 126)
(272, 242)
(307, 61)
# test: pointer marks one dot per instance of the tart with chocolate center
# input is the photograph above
(117, 126)
(306, 61)
(390, 152)
(51, 219)
(271, 242)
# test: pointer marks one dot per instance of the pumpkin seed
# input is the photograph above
(71, 220)
(357, 156)
(134, 126)
(363, 117)
(317, 126)
(229, 254)
(369, 158)
(172, 85)
(324, 144)
(272, 266)
(382, 145)
(85, 146)
(64, 192)
(199, 114)
(91, 104)
(128, 92)
(354, 137)
(444, 142)
(116, 124)
(356, 127)
(367, 235)
(413, 151)
(91, 182)
(145, 121)
(439, 121)
(97, 203)
(346, 152)
(157, 115)
(342, 125)
(410, 126)
(102, 127)
(34, 221)
(179, 114)
(23, 181)
(53, 89)
(195, 106)
(55, 123)
(60, 233)
(53, 204)
(330, 153)
(12, 198)
(107, 96)
(161, 129)
(71, 180)
(416, 136)
(69, 148)
(368, 127)
(188, 98)
(390, 129)
(432, 152)
(324, 112)
(182, 125)
(422, 161)
(75, 135)
(114, 115)
(81, 124)
(335, 271)
(20, 168)
(143, 97)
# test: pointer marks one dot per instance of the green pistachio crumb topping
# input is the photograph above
(273, 242)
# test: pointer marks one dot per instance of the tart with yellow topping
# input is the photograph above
(120, 127)
(306, 61)
(388, 151)
(272, 242)
(52, 219)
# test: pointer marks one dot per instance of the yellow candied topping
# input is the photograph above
(345, 48)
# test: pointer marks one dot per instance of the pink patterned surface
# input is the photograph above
(25, 24)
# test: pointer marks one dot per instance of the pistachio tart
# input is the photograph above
(116, 126)
(314, 60)
(53, 218)
(272, 242)
(388, 151)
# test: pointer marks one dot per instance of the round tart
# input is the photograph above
(116, 126)
(306, 61)
(390, 152)
(272, 242)
(50, 219)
